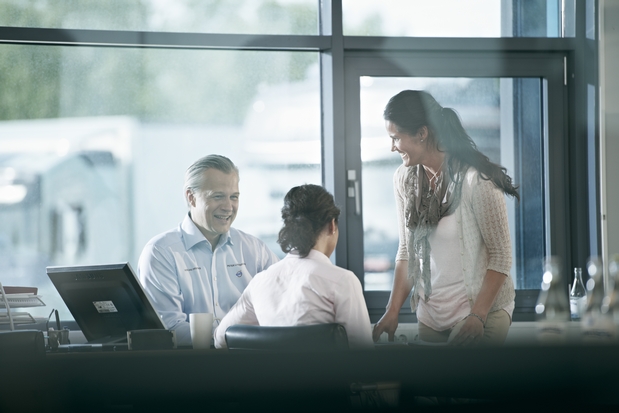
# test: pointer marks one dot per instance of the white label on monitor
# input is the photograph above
(105, 306)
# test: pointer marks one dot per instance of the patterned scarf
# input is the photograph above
(425, 207)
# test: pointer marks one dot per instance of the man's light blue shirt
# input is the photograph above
(182, 274)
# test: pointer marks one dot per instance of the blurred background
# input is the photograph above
(94, 141)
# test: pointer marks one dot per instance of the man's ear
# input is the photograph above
(191, 197)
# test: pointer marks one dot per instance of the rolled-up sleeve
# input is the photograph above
(399, 178)
(490, 211)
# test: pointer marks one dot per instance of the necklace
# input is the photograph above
(434, 177)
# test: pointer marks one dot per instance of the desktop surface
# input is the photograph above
(535, 375)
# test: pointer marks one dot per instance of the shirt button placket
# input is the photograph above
(214, 283)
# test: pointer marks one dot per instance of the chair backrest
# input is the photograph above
(316, 337)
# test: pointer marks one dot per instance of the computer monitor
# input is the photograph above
(105, 300)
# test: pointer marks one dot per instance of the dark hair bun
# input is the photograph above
(307, 209)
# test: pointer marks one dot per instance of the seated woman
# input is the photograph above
(305, 287)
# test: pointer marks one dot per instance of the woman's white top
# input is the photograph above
(303, 291)
(481, 242)
(449, 303)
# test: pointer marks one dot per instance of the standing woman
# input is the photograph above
(305, 287)
(455, 249)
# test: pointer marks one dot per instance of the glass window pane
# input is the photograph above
(94, 143)
(459, 18)
(200, 16)
(503, 116)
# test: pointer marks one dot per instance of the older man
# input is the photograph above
(203, 265)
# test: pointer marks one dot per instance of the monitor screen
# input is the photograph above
(105, 300)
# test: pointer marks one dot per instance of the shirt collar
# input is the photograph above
(313, 254)
(192, 235)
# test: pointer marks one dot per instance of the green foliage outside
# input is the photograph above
(153, 85)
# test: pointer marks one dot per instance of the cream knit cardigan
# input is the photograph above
(483, 230)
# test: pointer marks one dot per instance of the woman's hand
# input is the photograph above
(388, 323)
(472, 330)
(470, 333)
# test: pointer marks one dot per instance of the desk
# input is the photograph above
(219, 380)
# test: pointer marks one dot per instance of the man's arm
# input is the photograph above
(268, 257)
(158, 275)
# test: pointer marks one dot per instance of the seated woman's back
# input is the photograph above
(310, 290)
(305, 287)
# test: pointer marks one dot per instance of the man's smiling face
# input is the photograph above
(213, 209)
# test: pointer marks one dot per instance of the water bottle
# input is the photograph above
(613, 297)
(552, 308)
(578, 296)
(597, 324)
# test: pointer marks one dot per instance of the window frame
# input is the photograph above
(580, 70)
(462, 64)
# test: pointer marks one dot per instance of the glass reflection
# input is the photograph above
(198, 16)
(94, 146)
(492, 112)
(444, 18)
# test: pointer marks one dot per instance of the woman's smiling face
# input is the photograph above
(411, 148)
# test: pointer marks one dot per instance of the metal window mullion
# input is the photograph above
(110, 38)
(458, 44)
(333, 129)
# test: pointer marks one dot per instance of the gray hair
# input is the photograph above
(194, 174)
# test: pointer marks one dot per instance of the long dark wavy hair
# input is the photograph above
(410, 110)
(307, 209)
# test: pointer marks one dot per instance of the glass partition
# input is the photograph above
(459, 18)
(504, 118)
(94, 143)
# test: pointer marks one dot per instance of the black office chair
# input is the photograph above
(316, 337)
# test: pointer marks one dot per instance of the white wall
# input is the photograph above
(609, 84)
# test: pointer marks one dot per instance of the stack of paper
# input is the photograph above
(19, 297)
